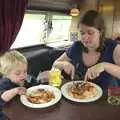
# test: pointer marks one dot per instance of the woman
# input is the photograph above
(94, 57)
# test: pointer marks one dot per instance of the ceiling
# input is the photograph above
(53, 5)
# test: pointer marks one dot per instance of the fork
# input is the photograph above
(79, 84)
(79, 76)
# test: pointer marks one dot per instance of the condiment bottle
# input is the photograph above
(55, 77)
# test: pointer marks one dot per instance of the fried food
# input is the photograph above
(40, 96)
(84, 91)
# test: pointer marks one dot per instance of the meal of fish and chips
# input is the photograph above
(82, 90)
(40, 96)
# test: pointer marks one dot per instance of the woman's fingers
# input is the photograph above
(72, 72)
(85, 78)
(69, 69)
(94, 71)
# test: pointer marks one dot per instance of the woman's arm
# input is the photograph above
(114, 69)
(61, 60)
(63, 63)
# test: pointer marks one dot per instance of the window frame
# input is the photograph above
(49, 16)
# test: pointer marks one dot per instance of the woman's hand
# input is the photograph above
(66, 66)
(94, 71)
(69, 68)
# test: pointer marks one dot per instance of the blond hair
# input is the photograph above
(10, 60)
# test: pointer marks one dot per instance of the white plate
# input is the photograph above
(55, 91)
(64, 90)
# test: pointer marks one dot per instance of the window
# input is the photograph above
(60, 28)
(31, 31)
(42, 27)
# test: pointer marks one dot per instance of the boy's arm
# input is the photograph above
(9, 94)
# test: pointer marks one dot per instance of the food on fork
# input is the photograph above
(82, 91)
(40, 96)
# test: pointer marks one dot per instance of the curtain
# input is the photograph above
(11, 17)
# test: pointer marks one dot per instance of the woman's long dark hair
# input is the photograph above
(93, 18)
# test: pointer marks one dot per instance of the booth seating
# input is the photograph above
(40, 58)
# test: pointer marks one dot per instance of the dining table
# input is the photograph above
(64, 110)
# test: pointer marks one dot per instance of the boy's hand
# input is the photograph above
(21, 90)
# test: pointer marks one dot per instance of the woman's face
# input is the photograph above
(18, 75)
(90, 37)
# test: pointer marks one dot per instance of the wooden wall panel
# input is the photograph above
(111, 13)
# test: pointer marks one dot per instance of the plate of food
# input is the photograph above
(41, 96)
(80, 91)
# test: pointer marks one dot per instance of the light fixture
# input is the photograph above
(74, 11)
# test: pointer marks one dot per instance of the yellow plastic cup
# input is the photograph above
(55, 77)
